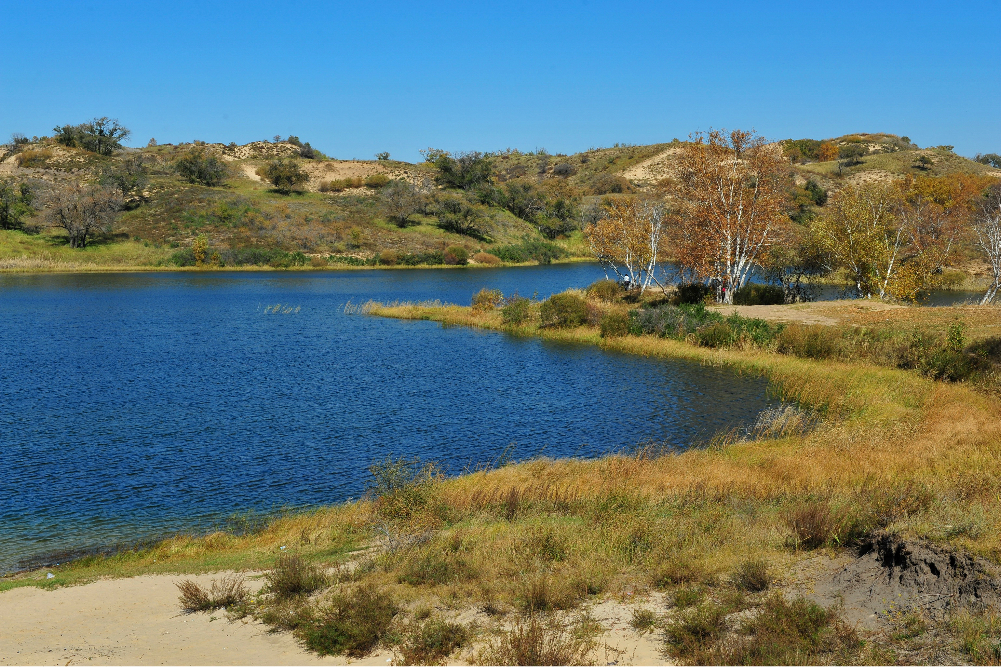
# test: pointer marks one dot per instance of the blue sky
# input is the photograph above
(361, 77)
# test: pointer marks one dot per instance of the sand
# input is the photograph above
(138, 621)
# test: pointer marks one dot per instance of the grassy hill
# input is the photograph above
(339, 216)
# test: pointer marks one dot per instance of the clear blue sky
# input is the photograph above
(361, 77)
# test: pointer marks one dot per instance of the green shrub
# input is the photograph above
(487, 299)
(753, 294)
(606, 290)
(456, 255)
(752, 576)
(434, 567)
(285, 174)
(517, 310)
(200, 166)
(716, 335)
(389, 257)
(341, 184)
(563, 311)
(530, 251)
(376, 181)
(614, 325)
(670, 321)
(350, 624)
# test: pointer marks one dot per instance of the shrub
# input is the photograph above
(431, 642)
(564, 169)
(530, 250)
(811, 341)
(486, 258)
(292, 576)
(224, 593)
(383, 156)
(517, 310)
(614, 325)
(199, 166)
(487, 299)
(285, 174)
(457, 216)
(608, 184)
(456, 255)
(690, 293)
(670, 321)
(752, 576)
(34, 159)
(606, 290)
(753, 294)
(563, 311)
(376, 181)
(341, 184)
(389, 257)
(16, 201)
(643, 619)
(350, 624)
(433, 567)
(463, 171)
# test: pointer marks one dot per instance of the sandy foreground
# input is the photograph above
(138, 621)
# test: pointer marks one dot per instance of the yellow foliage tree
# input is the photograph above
(629, 238)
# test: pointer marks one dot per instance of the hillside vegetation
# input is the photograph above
(217, 205)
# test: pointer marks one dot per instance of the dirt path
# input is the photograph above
(817, 312)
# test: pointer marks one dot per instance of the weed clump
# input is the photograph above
(350, 624)
(456, 255)
(431, 642)
(293, 576)
(606, 290)
(486, 258)
(517, 310)
(538, 641)
(752, 576)
(812, 525)
(614, 325)
(643, 620)
(223, 593)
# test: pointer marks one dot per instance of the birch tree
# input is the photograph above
(629, 238)
(987, 227)
(733, 189)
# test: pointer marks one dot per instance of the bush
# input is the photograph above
(530, 250)
(431, 642)
(464, 171)
(614, 325)
(285, 174)
(456, 255)
(753, 294)
(607, 184)
(811, 341)
(389, 257)
(517, 310)
(606, 290)
(457, 216)
(690, 293)
(564, 169)
(563, 311)
(433, 567)
(487, 299)
(199, 166)
(669, 321)
(812, 525)
(486, 258)
(350, 624)
(535, 641)
(34, 159)
(376, 181)
(292, 576)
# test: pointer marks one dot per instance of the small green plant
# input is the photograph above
(910, 626)
(687, 597)
(643, 620)
(563, 311)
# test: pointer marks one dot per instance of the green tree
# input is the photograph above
(462, 171)
(15, 203)
(285, 174)
(100, 135)
(200, 166)
(400, 200)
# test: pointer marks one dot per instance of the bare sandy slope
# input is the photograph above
(816, 312)
(138, 622)
(652, 170)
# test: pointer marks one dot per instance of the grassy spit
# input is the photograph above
(712, 529)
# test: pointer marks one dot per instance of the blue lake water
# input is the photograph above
(138, 405)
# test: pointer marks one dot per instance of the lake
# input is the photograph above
(141, 405)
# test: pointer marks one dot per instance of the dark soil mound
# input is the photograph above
(892, 575)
